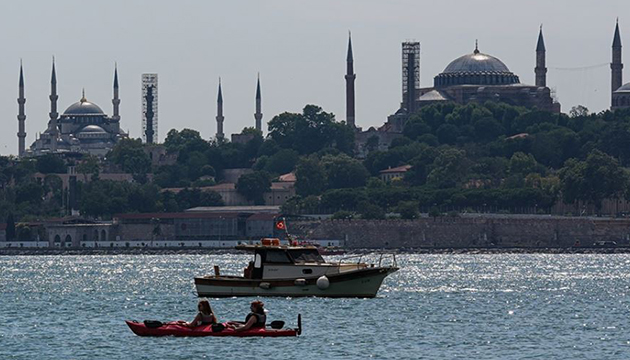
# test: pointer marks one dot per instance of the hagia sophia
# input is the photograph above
(474, 77)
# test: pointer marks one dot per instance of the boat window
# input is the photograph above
(307, 271)
(306, 255)
(277, 257)
(257, 261)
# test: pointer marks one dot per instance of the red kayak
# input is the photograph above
(174, 329)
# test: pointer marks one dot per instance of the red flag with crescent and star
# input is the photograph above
(280, 225)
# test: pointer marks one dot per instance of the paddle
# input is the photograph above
(277, 324)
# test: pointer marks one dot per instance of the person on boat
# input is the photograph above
(205, 316)
(255, 319)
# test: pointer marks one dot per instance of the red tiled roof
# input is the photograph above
(288, 177)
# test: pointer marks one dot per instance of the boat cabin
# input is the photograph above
(276, 258)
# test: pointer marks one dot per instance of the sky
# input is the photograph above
(298, 47)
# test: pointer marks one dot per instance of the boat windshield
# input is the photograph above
(277, 256)
(306, 255)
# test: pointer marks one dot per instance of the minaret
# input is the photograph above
(21, 116)
(220, 117)
(54, 129)
(258, 115)
(116, 99)
(350, 76)
(616, 66)
(541, 68)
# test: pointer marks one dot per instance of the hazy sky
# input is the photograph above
(299, 48)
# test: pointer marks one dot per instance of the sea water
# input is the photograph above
(498, 306)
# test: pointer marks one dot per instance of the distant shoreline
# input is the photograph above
(206, 251)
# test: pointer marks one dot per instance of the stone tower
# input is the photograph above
(21, 116)
(116, 99)
(541, 66)
(258, 115)
(53, 126)
(350, 77)
(616, 66)
(220, 117)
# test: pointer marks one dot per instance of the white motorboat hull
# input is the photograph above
(363, 283)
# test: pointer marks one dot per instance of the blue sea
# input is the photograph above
(498, 306)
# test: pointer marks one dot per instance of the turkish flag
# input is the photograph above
(280, 225)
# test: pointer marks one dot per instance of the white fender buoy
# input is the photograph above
(265, 285)
(300, 282)
(323, 283)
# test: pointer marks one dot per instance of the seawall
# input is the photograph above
(469, 232)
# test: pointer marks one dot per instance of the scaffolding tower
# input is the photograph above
(410, 73)
(150, 108)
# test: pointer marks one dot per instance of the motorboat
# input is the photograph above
(296, 270)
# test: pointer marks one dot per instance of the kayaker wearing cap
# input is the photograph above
(205, 315)
(255, 319)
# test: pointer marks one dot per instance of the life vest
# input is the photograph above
(261, 319)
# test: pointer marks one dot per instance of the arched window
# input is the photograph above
(57, 238)
(95, 235)
(67, 241)
(103, 235)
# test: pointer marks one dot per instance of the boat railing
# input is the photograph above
(382, 257)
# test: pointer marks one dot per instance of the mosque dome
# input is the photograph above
(476, 69)
(83, 107)
(476, 62)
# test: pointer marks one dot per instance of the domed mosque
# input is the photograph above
(82, 128)
(480, 77)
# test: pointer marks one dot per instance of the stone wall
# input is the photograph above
(447, 232)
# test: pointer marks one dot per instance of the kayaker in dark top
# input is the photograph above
(255, 319)
(205, 316)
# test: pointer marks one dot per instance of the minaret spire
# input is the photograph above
(258, 114)
(541, 65)
(53, 129)
(116, 99)
(616, 66)
(350, 77)
(21, 115)
(220, 117)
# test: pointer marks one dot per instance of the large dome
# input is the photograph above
(476, 69)
(476, 62)
(83, 107)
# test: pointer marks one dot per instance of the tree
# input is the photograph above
(344, 172)
(130, 156)
(10, 230)
(408, 210)
(310, 176)
(371, 211)
(50, 164)
(308, 132)
(282, 162)
(89, 165)
(593, 180)
(253, 186)
(578, 111)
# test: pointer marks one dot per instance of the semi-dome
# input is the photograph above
(476, 69)
(93, 129)
(83, 107)
(624, 88)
